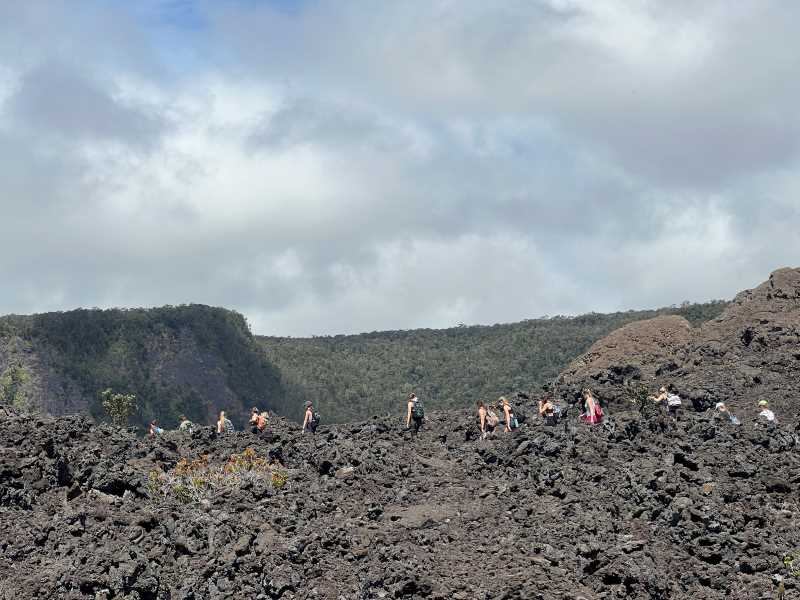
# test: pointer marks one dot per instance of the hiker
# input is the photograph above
(224, 424)
(508, 414)
(261, 424)
(670, 400)
(723, 411)
(548, 412)
(593, 413)
(487, 420)
(310, 419)
(661, 397)
(766, 413)
(185, 424)
(155, 429)
(253, 422)
(258, 420)
(415, 412)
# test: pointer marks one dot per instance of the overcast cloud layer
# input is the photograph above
(331, 166)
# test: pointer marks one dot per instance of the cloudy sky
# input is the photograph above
(335, 166)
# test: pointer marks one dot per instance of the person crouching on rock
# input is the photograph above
(415, 411)
(593, 413)
(185, 424)
(547, 411)
(154, 428)
(766, 413)
(723, 411)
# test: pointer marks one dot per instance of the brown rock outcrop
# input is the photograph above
(750, 352)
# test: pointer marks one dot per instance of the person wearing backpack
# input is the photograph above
(415, 411)
(224, 424)
(674, 403)
(547, 412)
(253, 422)
(185, 424)
(310, 419)
(487, 420)
(261, 422)
(508, 414)
(154, 429)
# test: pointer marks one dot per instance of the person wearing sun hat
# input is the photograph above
(766, 413)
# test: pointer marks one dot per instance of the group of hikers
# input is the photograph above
(551, 413)
(487, 419)
(257, 422)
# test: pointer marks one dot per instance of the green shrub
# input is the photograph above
(119, 407)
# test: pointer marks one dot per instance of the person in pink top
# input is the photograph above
(593, 413)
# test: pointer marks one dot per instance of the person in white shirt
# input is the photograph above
(766, 413)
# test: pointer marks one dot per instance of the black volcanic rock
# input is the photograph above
(700, 510)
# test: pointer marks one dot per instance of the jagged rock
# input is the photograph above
(345, 473)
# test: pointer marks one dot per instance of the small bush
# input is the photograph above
(639, 396)
(191, 481)
(279, 478)
(119, 407)
(792, 564)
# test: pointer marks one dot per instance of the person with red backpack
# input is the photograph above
(593, 412)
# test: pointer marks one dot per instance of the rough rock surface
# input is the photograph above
(641, 509)
(750, 352)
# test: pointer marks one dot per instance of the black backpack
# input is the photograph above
(314, 422)
(418, 410)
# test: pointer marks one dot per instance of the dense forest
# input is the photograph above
(191, 359)
(356, 376)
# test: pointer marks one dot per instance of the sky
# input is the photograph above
(339, 166)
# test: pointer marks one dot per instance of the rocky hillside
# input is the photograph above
(639, 510)
(185, 359)
(750, 352)
(351, 376)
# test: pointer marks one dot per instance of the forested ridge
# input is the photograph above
(191, 359)
(354, 376)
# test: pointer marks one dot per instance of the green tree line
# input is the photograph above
(355, 376)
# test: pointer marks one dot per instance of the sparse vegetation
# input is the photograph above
(192, 481)
(792, 564)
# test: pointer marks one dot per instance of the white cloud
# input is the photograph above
(348, 167)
